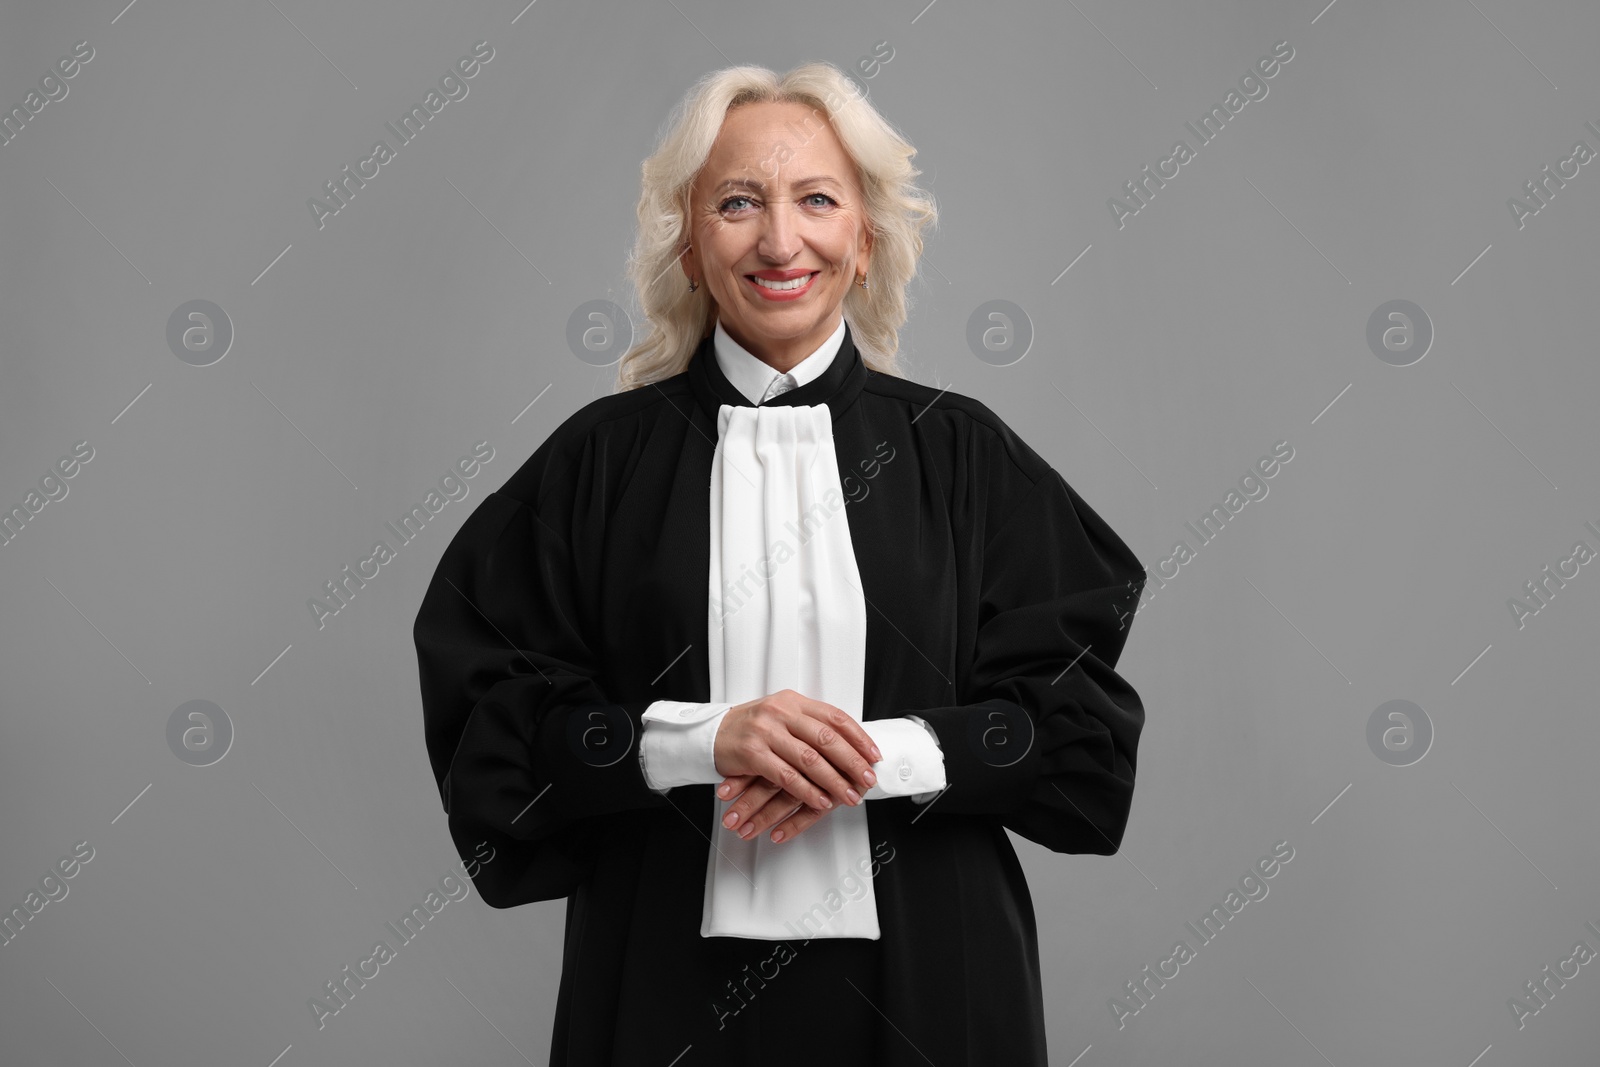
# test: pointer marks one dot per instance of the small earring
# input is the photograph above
(692, 285)
(863, 281)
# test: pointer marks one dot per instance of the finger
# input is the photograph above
(769, 750)
(799, 770)
(774, 811)
(843, 767)
(796, 824)
(791, 762)
(815, 780)
(735, 786)
(849, 729)
(778, 807)
(751, 801)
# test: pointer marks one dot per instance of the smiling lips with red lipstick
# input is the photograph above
(791, 284)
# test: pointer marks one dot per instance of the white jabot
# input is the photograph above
(785, 611)
(778, 512)
(760, 382)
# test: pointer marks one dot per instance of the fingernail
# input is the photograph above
(826, 802)
(745, 834)
(722, 792)
(777, 835)
(729, 819)
(855, 798)
(871, 779)
(877, 756)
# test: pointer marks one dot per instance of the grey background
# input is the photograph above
(1228, 315)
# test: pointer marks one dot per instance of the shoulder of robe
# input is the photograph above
(972, 416)
(1009, 472)
(566, 444)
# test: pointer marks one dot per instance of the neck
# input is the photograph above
(783, 354)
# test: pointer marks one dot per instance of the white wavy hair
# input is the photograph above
(897, 211)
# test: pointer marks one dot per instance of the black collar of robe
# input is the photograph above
(838, 386)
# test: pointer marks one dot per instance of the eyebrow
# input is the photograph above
(759, 186)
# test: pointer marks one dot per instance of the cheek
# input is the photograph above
(838, 243)
(713, 238)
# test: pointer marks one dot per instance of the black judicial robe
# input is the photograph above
(575, 595)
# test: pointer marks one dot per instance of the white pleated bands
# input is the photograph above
(786, 612)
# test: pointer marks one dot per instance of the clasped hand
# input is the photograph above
(788, 759)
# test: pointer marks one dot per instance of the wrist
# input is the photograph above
(913, 762)
(678, 746)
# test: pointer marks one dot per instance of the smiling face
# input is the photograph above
(778, 202)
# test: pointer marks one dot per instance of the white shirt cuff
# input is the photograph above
(678, 748)
(678, 744)
(913, 762)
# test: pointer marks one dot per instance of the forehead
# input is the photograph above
(777, 142)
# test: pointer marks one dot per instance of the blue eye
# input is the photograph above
(831, 202)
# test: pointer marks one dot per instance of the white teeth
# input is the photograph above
(792, 283)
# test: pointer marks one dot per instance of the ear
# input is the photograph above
(686, 260)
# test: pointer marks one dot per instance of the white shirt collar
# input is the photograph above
(755, 379)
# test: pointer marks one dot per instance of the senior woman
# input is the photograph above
(756, 660)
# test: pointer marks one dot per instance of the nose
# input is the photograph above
(780, 236)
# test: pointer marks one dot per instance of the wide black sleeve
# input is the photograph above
(528, 751)
(1046, 733)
